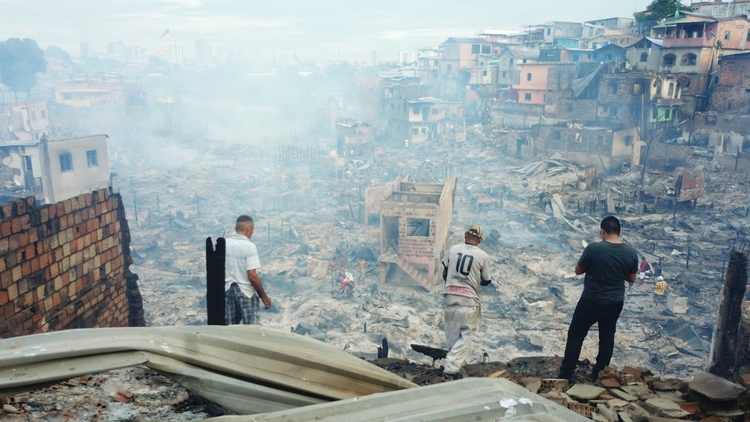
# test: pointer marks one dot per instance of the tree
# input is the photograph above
(20, 61)
(656, 11)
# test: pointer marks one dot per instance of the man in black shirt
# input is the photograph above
(607, 264)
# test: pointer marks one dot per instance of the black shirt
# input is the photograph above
(607, 266)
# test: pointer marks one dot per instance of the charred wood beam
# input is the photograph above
(215, 261)
(726, 346)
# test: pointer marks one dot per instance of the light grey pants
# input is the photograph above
(461, 325)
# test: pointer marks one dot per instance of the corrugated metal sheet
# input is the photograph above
(248, 369)
(471, 399)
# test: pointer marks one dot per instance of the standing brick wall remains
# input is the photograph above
(66, 265)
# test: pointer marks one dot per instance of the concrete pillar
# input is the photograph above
(725, 347)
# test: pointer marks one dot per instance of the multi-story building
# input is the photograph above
(459, 55)
(509, 61)
(645, 55)
(719, 9)
(564, 34)
(692, 45)
(54, 170)
(117, 50)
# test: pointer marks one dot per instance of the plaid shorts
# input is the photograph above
(239, 308)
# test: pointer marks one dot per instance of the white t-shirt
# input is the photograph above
(467, 266)
(241, 257)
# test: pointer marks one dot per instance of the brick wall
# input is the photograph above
(66, 265)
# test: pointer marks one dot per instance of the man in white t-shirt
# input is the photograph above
(242, 286)
(464, 270)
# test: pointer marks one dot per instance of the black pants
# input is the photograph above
(586, 314)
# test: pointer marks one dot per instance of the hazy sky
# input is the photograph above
(310, 28)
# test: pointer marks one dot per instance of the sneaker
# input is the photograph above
(458, 375)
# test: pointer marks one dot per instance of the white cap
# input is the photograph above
(660, 278)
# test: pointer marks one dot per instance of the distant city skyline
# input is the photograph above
(312, 31)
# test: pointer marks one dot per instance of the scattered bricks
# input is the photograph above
(552, 384)
(12, 292)
(609, 383)
(636, 372)
(582, 409)
(692, 407)
(123, 396)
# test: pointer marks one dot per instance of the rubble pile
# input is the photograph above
(534, 249)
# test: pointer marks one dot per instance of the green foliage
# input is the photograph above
(20, 61)
(656, 11)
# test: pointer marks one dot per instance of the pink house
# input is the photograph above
(532, 87)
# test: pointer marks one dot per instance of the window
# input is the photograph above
(670, 90)
(511, 61)
(644, 57)
(549, 31)
(418, 227)
(415, 109)
(486, 49)
(44, 114)
(27, 163)
(527, 97)
(423, 131)
(66, 162)
(523, 61)
(748, 35)
(727, 35)
(484, 73)
(556, 135)
(654, 114)
(448, 68)
(434, 111)
(415, 131)
(576, 58)
(689, 59)
(33, 115)
(668, 60)
(67, 96)
(505, 74)
(528, 76)
(91, 158)
(612, 87)
(628, 140)
(475, 49)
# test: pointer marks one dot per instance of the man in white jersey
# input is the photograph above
(465, 269)
(242, 286)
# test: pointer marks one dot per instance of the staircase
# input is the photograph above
(417, 275)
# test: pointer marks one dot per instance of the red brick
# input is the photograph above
(55, 299)
(16, 225)
(30, 251)
(35, 265)
(52, 211)
(23, 239)
(3, 297)
(67, 206)
(60, 208)
(33, 235)
(26, 268)
(6, 279)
